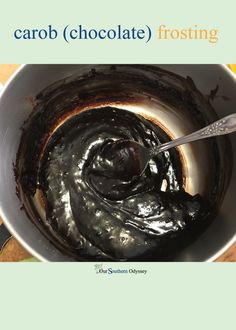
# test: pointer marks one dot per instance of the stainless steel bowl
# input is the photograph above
(15, 108)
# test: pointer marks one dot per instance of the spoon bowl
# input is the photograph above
(135, 152)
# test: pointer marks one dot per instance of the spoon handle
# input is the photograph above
(222, 126)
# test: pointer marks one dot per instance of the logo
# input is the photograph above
(110, 270)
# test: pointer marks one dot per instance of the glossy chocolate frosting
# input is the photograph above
(91, 211)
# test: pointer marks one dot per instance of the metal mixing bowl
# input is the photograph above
(15, 108)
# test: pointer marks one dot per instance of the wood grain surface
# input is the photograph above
(13, 251)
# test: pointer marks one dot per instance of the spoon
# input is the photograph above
(140, 155)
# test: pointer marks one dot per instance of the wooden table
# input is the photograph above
(13, 251)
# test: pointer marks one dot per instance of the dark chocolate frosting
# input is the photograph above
(91, 212)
